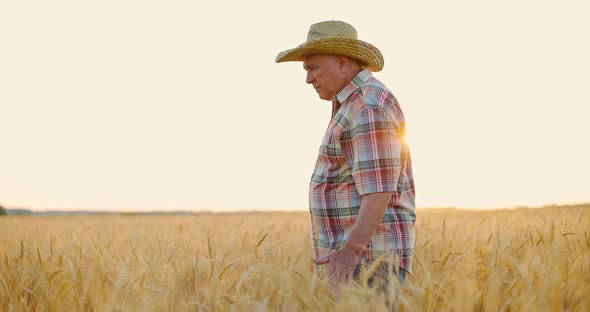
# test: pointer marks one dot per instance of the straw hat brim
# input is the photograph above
(357, 49)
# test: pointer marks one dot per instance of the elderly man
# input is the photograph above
(362, 190)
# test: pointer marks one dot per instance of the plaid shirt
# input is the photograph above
(363, 151)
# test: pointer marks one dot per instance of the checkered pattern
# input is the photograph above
(364, 151)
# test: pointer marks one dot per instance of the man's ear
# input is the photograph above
(343, 63)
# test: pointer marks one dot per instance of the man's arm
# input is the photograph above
(343, 262)
(370, 215)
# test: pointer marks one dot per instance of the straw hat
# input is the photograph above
(335, 37)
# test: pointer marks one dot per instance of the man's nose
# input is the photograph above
(309, 78)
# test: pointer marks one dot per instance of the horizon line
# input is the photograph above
(256, 210)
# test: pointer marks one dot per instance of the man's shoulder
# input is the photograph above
(376, 95)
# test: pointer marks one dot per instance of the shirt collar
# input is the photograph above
(353, 85)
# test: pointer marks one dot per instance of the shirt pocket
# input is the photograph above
(331, 154)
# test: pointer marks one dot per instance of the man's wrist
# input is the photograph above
(356, 248)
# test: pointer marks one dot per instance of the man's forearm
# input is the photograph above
(370, 215)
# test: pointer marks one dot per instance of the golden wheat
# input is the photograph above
(508, 260)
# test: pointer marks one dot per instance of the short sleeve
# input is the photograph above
(376, 149)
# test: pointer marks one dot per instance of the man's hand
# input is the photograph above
(342, 262)
(340, 266)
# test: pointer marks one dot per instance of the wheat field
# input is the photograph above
(502, 260)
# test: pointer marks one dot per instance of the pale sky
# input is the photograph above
(160, 105)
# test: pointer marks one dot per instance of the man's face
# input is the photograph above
(324, 74)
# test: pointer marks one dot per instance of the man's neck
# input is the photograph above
(347, 78)
(353, 72)
(356, 71)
